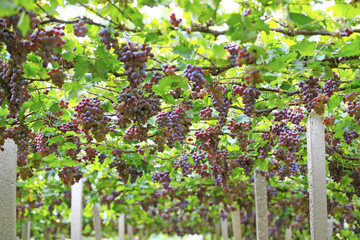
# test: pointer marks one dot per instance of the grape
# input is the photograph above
(92, 117)
(195, 75)
(80, 30)
(346, 32)
(350, 136)
(249, 95)
(169, 70)
(206, 112)
(57, 76)
(329, 121)
(173, 21)
(240, 55)
(70, 175)
(239, 131)
(310, 90)
(162, 177)
(332, 85)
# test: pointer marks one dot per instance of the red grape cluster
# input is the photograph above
(238, 130)
(57, 77)
(44, 42)
(185, 165)
(134, 57)
(329, 121)
(173, 21)
(246, 162)
(108, 41)
(206, 113)
(290, 140)
(353, 107)
(70, 126)
(332, 144)
(73, 152)
(209, 139)
(80, 30)
(220, 169)
(346, 32)
(249, 96)
(336, 171)
(43, 147)
(169, 70)
(253, 76)
(162, 177)
(90, 154)
(198, 167)
(350, 136)
(175, 124)
(22, 136)
(154, 80)
(332, 85)
(134, 106)
(13, 86)
(177, 93)
(137, 132)
(92, 117)
(240, 55)
(310, 89)
(195, 75)
(70, 175)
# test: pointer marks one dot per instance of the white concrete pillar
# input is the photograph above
(236, 223)
(217, 231)
(8, 162)
(97, 221)
(62, 236)
(76, 210)
(262, 225)
(288, 234)
(130, 231)
(121, 226)
(330, 228)
(25, 231)
(204, 236)
(224, 228)
(315, 136)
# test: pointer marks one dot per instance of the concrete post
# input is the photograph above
(130, 231)
(8, 162)
(217, 231)
(146, 234)
(224, 228)
(25, 231)
(236, 224)
(97, 221)
(315, 136)
(121, 226)
(330, 227)
(288, 234)
(62, 236)
(76, 210)
(262, 232)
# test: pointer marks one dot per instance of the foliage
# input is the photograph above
(165, 109)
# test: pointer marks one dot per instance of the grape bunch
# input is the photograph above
(209, 139)
(246, 162)
(349, 136)
(185, 165)
(73, 152)
(346, 32)
(240, 55)
(173, 21)
(80, 30)
(198, 167)
(354, 110)
(329, 121)
(169, 70)
(206, 113)
(177, 93)
(134, 106)
(195, 75)
(162, 177)
(310, 89)
(92, 117)
(221, 103)
(253, 76)
(137, 132)
(70, 175)
(70, 126)
(220, 169)
(57, 77)
(108, 41)
(13, 86)
(332, 85)
(90, 154)
(134, 57)
(175, 124)
(332, 144)
(154, 80)
(45, 41)
(43, 147)
(22, 136)
(249, 96)
(290, 140)
(239, 130)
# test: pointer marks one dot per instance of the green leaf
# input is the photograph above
(350, 49)
(219, 50)
(7, 8)
(24, 23)
(242, 118)
(37, 125)
(36, 106)
(300, 19)
(184, 50)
